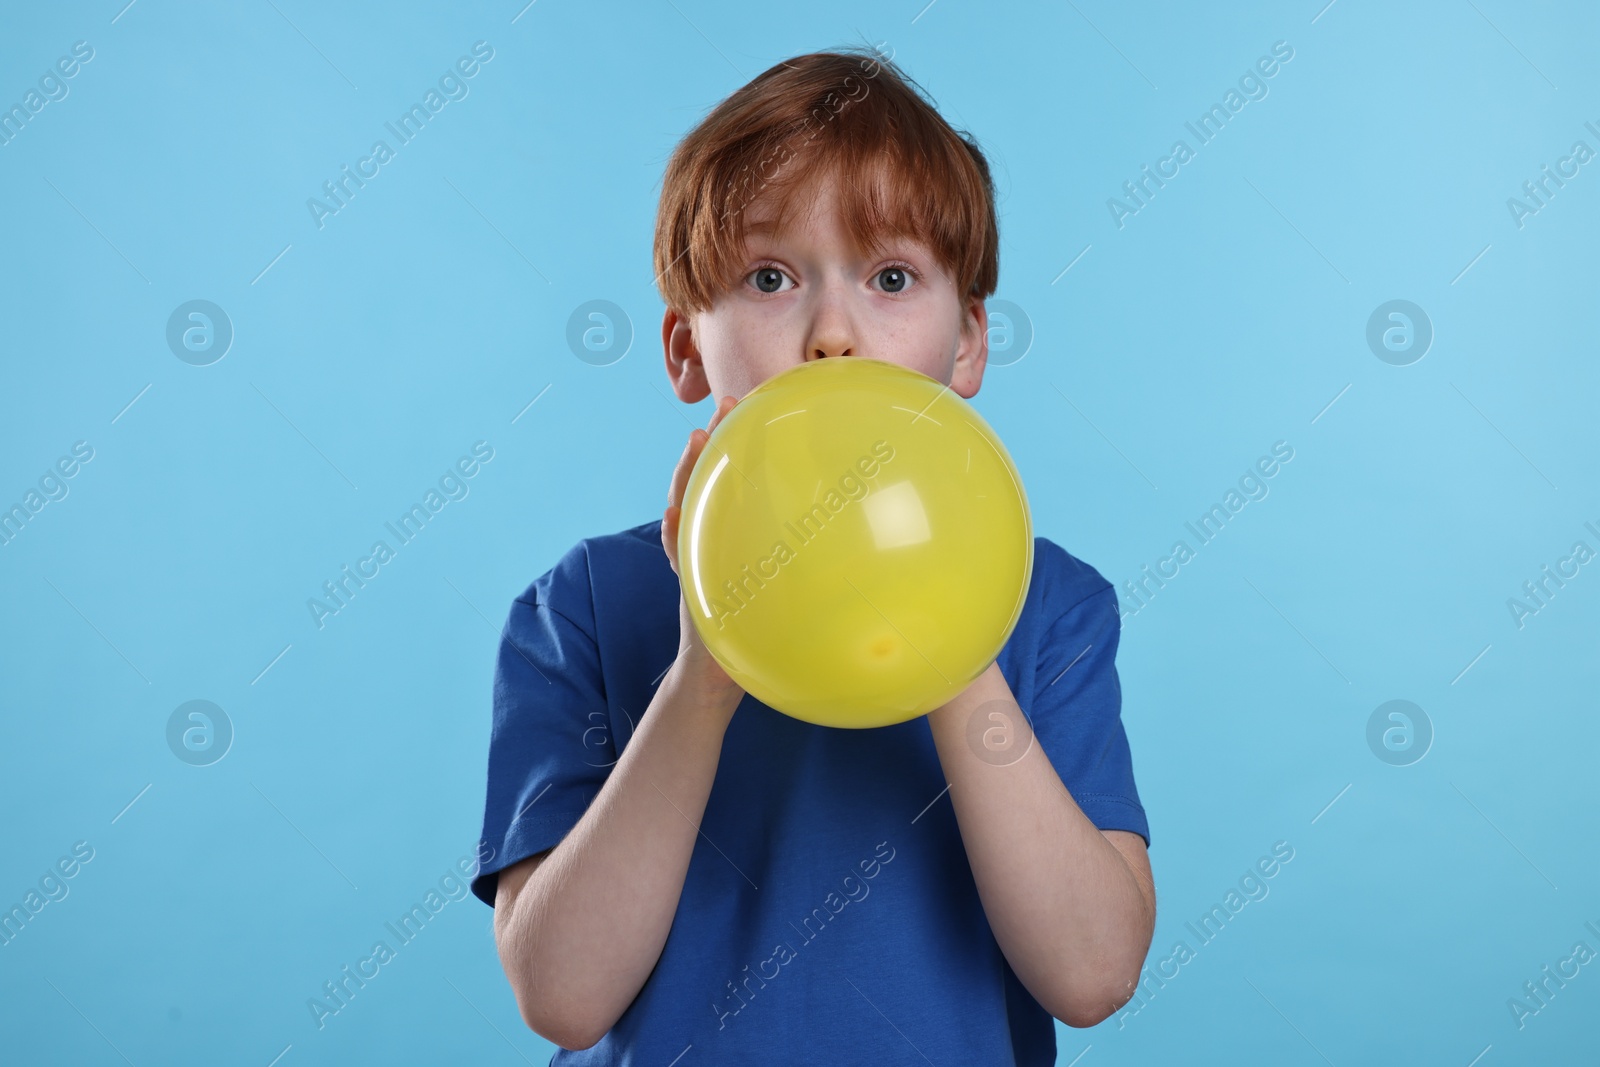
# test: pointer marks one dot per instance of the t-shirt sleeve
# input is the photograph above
(550, 750)
(1077, 714)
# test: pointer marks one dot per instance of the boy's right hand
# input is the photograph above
(692, 652)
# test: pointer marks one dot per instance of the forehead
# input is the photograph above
(864, 214)
(787, 207)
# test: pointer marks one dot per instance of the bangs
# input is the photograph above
(852, 118)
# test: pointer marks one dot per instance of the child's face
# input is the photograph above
(808, 293)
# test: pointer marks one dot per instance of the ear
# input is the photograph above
(685, 369)
(972, 357)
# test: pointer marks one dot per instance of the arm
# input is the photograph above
(580, 927)
(1072, 907)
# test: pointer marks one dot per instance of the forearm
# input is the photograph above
(1065, 907)
(589, 925)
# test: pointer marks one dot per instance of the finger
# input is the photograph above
(669, 535)
(680, 473)
(724, 406)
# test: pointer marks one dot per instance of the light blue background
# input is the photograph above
(426, 315)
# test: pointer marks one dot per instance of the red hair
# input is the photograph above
(852, 114)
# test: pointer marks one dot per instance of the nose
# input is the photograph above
(832, 329)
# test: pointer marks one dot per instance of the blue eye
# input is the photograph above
(768, 279)
(894, 279)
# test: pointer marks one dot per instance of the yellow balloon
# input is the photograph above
(855, 543)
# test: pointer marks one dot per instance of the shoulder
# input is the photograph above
(598, 572)
(1062, 581)
(1070, 605)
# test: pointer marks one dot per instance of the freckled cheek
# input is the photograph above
(921, 343)
(761, 349)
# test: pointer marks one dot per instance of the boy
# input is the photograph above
(682, 875)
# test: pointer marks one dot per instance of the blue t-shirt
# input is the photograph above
(829, 914)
